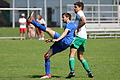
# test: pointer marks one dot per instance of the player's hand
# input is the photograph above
(55, 40)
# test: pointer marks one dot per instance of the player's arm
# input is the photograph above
(63, 35)
(19, 21)
(75, 32)
(82, 22)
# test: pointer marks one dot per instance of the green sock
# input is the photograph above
(85, 65)
(71, 64)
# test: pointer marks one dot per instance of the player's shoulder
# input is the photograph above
(71, 25)
(81, 13)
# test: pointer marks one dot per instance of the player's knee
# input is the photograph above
(46, 56)
(80, 57)
(48, 29)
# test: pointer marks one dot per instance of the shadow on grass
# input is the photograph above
(39, 76)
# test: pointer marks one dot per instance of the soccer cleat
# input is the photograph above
(31, 14)
(71, 74)
(48, 40)
(42, 38)
(46, 77)
(39, 39)
(90, 75)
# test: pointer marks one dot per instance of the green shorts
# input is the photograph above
(79, 44)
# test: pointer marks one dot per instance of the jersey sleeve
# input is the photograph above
(81, 14)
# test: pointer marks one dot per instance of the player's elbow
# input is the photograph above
(84, 22)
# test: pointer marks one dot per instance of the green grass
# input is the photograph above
(10, 32)
(23, 60)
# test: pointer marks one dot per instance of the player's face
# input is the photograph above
(39, 17)
(64, 18)
(76, 8)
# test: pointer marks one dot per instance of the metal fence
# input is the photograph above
(103, 21)
(10, 16)
(99, 13)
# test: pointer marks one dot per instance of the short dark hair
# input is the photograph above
(67, 15)
(79, 4)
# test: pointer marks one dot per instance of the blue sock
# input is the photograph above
(36, 24)
(47, 66)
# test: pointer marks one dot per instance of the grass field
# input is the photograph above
(23, 60)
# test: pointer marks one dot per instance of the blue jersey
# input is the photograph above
(71, 34)
(66, 41)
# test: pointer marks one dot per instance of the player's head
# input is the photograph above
(39, 17)
(23, 15)
(66, 17)
(78, 6)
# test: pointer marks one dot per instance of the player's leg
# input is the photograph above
(42, 35)
(73, 49)
(51, 32)
(21, 33)
(24, 33)
(83, 60)
(32, 32)
(39, 32)
(55, 48)
(36, 32)
(47, 64)
(71, 62)
(71, 59)
(37, 24)
(28, 32)
(31, 19)
(85, 64)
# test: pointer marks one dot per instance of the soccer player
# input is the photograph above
(39, 32)
(31, 31)
(60, 42)
(22, 22)
(79, 42)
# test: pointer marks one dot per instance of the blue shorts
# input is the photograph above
(58, 47)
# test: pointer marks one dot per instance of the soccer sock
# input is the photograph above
(71, 64)
(47, 66)
(36, 24)
(85, 65)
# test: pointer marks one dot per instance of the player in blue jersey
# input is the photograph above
(79, 42)
(61, 42)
